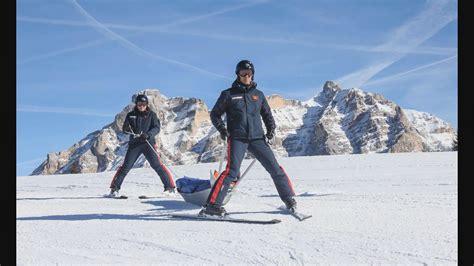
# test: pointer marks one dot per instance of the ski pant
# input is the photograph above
(132, 155)
(235, 153)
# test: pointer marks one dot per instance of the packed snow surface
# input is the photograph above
(367, 208)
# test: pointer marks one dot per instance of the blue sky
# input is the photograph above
(79, 62)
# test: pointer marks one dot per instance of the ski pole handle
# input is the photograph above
(133, 134)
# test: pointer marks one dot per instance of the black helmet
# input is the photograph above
(244, 64)
(141, 98)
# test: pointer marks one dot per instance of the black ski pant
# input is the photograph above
(235, 153)
(132, 155)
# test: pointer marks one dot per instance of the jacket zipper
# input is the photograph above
(247, 115)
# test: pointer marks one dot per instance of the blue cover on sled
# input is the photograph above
(190, 185)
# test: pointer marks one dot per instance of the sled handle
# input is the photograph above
(222, 156)
(248, 168)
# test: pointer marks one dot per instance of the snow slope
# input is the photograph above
(367, 208)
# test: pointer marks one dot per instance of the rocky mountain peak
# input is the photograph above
(334, 122)
(330, 88)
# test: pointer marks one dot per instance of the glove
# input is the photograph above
(224, 133)
(270, 135)
(144, 136)
(126, 128)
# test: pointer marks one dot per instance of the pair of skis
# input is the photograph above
(228, 218)
(298, 215)
(222, 219)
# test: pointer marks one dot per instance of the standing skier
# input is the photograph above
(143, 125)
(244, 106)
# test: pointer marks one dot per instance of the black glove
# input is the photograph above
(126, 128)
(270, 135)
(144, 136)
(224, 133)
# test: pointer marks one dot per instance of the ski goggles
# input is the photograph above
(142, 104)
(245, 72)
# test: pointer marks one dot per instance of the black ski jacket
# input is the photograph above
(141, 122)
(245, 107)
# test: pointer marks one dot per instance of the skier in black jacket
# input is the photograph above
(245, 106)
(143, 125)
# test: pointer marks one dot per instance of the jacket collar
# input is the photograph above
(147, 110)
(242, 87)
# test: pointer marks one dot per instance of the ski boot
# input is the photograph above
(114, 193)
(213, 210)
(291, 204)
(170, 192)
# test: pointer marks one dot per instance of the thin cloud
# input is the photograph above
(62, 110)
(33, 161)
(133, 47)
(192, 19)
(163, 28)
(61, 22)
(402, 50)
(289, 40)
(401, 74)
(140, 29)
(63, 51)
(410, 35)
(230, 37)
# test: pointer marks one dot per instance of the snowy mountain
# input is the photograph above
(186, 136)
(335, 121)
(353, 121)
(368, 209)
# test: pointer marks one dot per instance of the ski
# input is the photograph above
(298, 215)
(148, 197)
(119, 197)
(157, 196)
(223, 219)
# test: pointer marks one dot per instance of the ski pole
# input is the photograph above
(234, 189)
(130, 133)
(222, 156)
(248, 168)
(222, 160)
(156, 152)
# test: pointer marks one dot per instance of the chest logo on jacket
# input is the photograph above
(255, 98)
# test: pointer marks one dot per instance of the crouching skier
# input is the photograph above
(143, 125)
(244, 104)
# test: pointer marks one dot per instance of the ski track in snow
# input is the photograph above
(369, 208)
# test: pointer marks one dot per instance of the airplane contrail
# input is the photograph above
(401, 74)
(410, 35)
(62, 110)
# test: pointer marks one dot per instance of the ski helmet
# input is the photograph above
(244, 64)
(141, 98)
